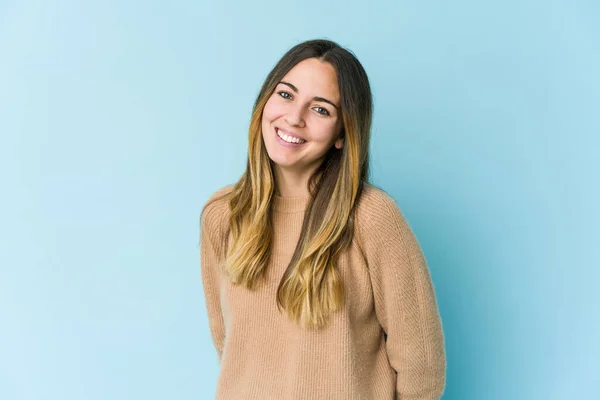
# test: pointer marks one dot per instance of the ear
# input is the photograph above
(340, 142)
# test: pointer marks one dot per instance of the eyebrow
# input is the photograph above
(316, 98)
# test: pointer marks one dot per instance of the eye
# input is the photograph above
(325, 112)
(284, 94)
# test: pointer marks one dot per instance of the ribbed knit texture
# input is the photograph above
(386, 343)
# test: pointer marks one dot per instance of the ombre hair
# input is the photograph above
(311, 287)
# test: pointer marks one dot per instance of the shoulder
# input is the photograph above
(215, 210)
(375, 204)
(378, 215)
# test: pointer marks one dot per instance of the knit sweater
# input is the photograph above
(385, 343)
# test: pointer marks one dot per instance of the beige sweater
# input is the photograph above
(387, 343)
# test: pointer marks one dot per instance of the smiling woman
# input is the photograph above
(315, 285)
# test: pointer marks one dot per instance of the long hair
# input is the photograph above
(311, 287)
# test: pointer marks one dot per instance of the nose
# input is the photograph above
(295, 116)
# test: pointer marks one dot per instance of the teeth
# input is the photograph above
(289, 139)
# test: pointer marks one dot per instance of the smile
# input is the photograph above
(288, 138)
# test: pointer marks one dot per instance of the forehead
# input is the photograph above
(315, 78)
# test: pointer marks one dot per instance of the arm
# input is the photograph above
(405, 302)
(209, 266)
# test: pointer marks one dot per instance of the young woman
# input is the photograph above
(315, 285)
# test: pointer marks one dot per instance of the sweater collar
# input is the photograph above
(289, 204)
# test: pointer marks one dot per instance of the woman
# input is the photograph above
(315, 285)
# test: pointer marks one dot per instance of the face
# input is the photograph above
(302, 118)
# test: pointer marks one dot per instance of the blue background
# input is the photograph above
(119, 119)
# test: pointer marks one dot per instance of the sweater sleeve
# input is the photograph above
(209, 266)
(405, 302)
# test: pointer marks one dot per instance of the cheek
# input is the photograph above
(271, 111)
(324, 130)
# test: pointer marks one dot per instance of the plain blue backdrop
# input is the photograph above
(118, 119)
